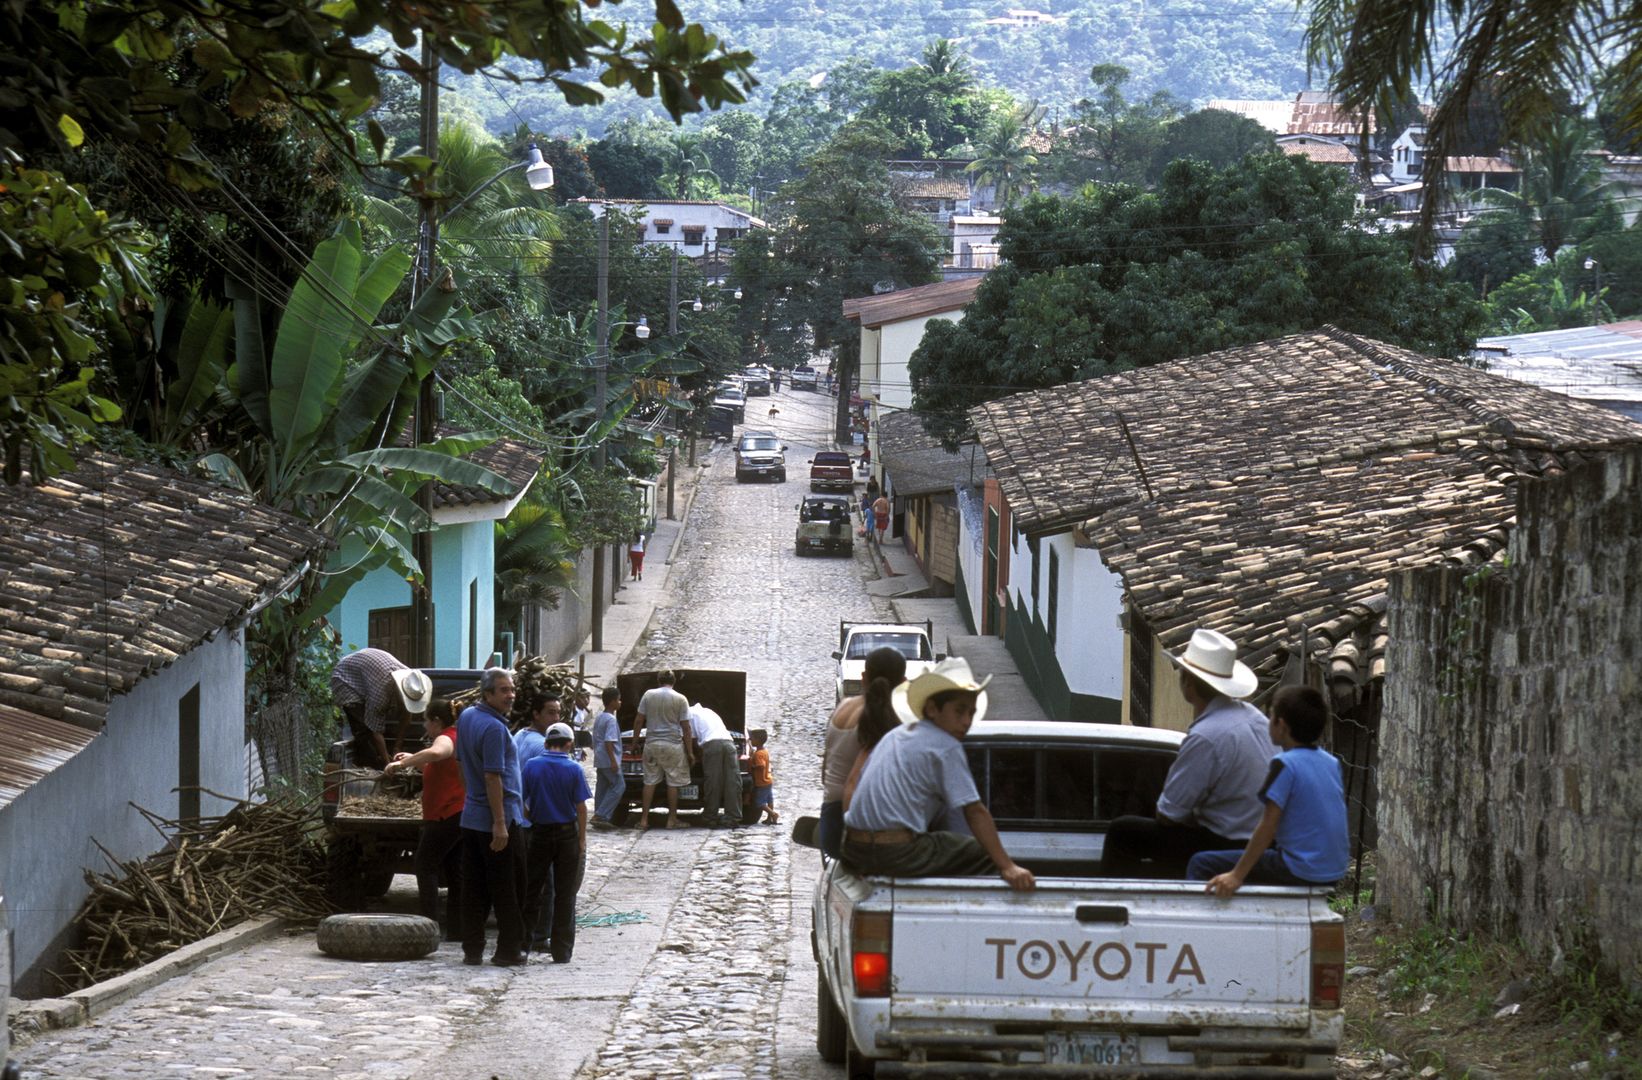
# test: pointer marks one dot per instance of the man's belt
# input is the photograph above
(880, 836)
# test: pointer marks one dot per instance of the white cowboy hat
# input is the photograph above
(1212, 657)
(950, 674)
(414, 690)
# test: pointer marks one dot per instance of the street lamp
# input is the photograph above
(642, 330)
(697, 305)
(538, 174)
(1596, 299)
(738, 292)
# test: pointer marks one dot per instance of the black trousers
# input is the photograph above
(554, 874)
(440, 848)
(493, 880)
(1143, 847)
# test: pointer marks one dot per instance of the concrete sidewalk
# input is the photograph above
(900, 580)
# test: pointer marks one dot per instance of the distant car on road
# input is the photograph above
(757, 381)
(732, 397)
(759, 454)
(823, 525)
(804, 377)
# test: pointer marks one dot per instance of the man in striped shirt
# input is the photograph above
(374, 690)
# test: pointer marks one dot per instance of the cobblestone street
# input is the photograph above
(715, 980)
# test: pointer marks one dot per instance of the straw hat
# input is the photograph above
(414, 690)
(950, 674)
(1212, 657)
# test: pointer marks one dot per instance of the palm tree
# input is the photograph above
(942, 57)
(1004, 157)
(689, 166)
(503, 230)
(1521, 52)
(1562, 187)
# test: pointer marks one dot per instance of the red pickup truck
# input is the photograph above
(832, 470)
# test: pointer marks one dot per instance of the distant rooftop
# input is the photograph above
(1600, 364)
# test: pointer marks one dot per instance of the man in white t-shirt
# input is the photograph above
(668, 746)
(720, 778)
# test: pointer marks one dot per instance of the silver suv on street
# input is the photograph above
(759, 454)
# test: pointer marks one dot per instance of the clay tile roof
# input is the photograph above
(1328, 153)
(111, 572)
(1474, 164)
(1284, 482)
(932, 187)
(510, 458)
(875, 311)
(917, 464)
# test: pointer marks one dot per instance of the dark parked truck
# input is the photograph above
(368, 844)
(725, 692)
(1084, 976)
(832, 470)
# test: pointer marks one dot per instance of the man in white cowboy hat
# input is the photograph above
(1211, 798)
(918, 773)
(373, 689)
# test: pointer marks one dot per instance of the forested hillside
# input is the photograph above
(1193, 49)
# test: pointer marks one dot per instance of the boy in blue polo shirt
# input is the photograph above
(1302, 837)
(555, 800)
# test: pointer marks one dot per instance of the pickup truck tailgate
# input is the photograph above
(1127, 953)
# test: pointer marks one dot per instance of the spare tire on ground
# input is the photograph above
(378, 937)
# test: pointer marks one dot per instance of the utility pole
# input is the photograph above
(601, 369)
(672, 332)
(427, 240)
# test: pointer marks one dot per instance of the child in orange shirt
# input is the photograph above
(763, 782)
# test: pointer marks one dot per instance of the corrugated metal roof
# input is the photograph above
(32, 746)
(1601, 363)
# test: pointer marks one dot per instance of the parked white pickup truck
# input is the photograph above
(856, 639)
(1083, 976)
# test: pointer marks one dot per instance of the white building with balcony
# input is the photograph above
(694, 227)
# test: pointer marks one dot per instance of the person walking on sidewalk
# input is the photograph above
(556, 801)
(720, 778)
(880, 515)
(607, 760)
(667, 739)
(635, 557)
(439, 847)
(493, 857)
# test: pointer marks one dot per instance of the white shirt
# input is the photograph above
(707, 726)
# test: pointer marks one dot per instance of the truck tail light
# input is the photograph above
(869, 939)
(1328, 963)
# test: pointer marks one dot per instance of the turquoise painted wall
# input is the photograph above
(462, 554)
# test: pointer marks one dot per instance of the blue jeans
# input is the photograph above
(611, 787)
(1269, 869)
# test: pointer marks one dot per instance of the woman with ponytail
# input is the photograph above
(857, 720)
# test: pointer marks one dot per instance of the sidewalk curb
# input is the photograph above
(82, 1006)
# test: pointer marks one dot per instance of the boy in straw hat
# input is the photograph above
(1211, 798)
(915, 775)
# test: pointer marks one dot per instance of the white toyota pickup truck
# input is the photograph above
(1083, 976)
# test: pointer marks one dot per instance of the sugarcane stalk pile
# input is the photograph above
(257, 859)
(535, 681)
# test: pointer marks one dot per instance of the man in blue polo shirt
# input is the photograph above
(493, 858)
(556, 795)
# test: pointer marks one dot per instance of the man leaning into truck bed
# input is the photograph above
(915, 775)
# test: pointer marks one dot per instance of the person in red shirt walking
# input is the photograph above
(442, 794)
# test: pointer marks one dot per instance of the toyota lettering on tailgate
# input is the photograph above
(1112, 961)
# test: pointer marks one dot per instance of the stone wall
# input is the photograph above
(1511, 741)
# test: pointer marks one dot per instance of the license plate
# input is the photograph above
(1089, 1048)
(689, 791)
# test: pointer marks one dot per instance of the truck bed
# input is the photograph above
(1146, 977)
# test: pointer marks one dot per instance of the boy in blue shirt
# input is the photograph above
(1302, 837)
(555, 798)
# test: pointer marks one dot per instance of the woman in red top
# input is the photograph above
(442, 797)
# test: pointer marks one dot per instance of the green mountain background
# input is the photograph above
(1194, 51)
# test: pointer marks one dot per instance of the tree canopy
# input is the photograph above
(1120, 277)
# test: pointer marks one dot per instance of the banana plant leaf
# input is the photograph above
(305, 376)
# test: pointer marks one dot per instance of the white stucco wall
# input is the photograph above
(1088, 641)
(1089, 645)
(46, 834)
